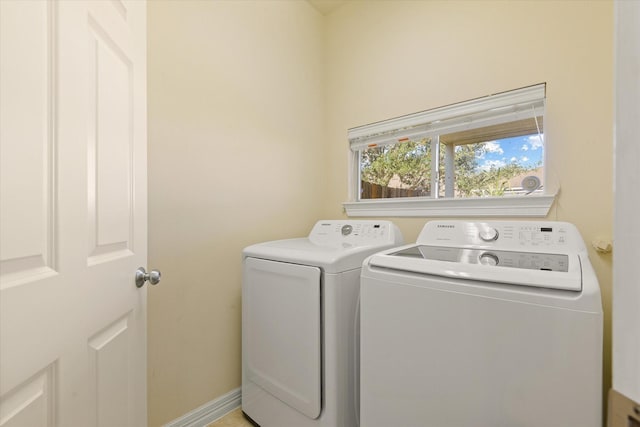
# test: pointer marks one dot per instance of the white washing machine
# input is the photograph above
(483, 324)
(299, 323)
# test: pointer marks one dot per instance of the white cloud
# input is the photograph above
(536, 141)
(525, 147)
(524, 159)
(513, 159)
(488, 164)
(493, 147)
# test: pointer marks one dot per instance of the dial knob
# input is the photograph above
(487, 258)
(489, 234)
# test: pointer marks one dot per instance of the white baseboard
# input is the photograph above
(209, 412)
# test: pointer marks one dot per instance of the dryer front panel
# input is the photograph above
(281, 327)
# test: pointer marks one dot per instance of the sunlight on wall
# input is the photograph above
(235, 152)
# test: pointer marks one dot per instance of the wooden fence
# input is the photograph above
(375, 191)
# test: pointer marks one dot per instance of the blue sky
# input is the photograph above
(524, 150)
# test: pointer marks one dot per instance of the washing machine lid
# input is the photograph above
(544, 270)
(545, 254)
(333, 245)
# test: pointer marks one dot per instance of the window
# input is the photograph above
(481, 151)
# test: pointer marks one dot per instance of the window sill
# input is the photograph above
(524, 206)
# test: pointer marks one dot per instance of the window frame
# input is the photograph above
(436, 122)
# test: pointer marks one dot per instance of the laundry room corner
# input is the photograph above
(319, 213)
(388, 59)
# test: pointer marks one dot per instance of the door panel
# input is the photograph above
(26, 252)
(281, 331)
(109, 372)
(30, 403)
(73, 190)
(110, 148)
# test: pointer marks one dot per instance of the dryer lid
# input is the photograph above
(333, 245)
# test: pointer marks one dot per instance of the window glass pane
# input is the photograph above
(398, 170)
(509, 166)
(488, 147)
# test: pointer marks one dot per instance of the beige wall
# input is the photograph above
(249, 104)
(390, 58)
(236, 97)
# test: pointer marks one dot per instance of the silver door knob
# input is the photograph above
(142, 276)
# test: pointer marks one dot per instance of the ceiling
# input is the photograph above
(325, 7)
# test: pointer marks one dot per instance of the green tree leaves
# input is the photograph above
(409, 161)
(407, 165)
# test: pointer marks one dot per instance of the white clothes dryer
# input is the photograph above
(299, 323)
(483, 324)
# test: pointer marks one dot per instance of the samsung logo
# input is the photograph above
(446, 226)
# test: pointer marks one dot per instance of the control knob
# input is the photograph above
(487, 258)
(488, 234)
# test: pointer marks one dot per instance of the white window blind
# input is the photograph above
(491, 110)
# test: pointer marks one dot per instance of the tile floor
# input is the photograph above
(232, 419)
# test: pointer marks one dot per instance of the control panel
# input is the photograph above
(337, 233)
(543, 254)
(543, 236)
(492, 258)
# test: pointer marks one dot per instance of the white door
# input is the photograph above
(626, 285)
(73, 213)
